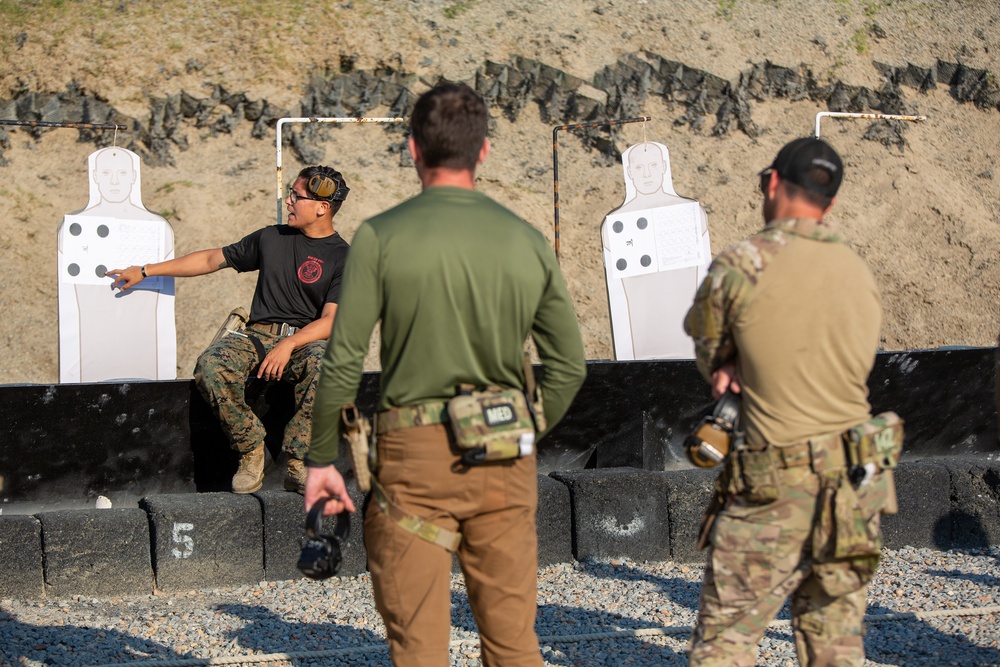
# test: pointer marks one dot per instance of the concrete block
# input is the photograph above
(21, 573)
(922, 490)
(97, 552)
(206, 540)
(688, 495)
(975, 501)
(619, 512)
(284, 519)
(554, 522)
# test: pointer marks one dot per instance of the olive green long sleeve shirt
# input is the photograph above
(458, 282)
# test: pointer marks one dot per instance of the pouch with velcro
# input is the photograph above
(873, 449)
(878, 440)
(491, 425)
(758, 473)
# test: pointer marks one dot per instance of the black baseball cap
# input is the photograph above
(798, 158)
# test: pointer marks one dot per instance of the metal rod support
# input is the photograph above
(283, 121)
(78, 126)
(555, 159)
(871, 116)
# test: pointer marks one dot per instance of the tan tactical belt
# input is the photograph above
(824, 452)
(423, 414)
(274, 328)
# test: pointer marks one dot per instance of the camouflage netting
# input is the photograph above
(706, 103)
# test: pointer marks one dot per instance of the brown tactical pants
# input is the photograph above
(494, 507)
(221, 374)
(760, 555)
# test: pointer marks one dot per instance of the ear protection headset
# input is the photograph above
(328, 187)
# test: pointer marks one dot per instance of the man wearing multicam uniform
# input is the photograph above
(298, 286)
(789, 319)
(459, 282)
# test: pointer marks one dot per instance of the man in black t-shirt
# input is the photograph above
(298, 286)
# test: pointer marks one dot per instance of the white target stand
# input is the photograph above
(107, 334)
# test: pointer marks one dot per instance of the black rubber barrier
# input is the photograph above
(205, 540)
(213, 540)
(21, 574)
(64, 445)
(99, 552)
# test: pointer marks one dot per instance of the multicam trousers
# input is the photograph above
(761, 554)
(222, 373)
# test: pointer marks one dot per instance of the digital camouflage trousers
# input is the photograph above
(762, 554)
(222, 372)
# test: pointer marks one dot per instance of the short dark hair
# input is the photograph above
(339, 194)
(814, 198)
(449, 126)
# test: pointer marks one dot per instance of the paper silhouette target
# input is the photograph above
(103, 334)
(656, 251)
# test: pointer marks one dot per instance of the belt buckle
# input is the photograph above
(283, 330)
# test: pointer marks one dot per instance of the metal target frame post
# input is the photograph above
(69, 125)
(555, 159)
(283, 121)
(870, 116)
(76, 126)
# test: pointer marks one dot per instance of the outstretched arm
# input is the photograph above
(197, 263)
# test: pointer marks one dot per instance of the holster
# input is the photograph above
(356, 432)
(235, 321)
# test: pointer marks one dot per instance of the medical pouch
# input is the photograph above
(492, 425)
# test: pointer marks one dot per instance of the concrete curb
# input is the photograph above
(214, 540)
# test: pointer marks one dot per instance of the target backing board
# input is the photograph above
(106, 334)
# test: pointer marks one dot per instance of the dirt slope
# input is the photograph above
(925, 214)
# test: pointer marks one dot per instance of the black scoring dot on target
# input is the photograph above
(103, 231)
(641, 223)
(621, 264)
(645, 260)
(73, 269)
(618, 226)
(101, 270)
(75, 229)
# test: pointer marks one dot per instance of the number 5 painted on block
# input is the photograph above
(180, 538)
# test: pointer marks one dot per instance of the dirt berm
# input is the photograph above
(726, 84)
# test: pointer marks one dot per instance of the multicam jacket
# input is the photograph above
(799, 314)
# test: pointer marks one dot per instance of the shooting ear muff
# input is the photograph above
(712, 441)
(326, 187)
(320, 557)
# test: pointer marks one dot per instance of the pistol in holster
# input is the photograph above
(234, 323)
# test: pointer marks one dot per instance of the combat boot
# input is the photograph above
(295, 476)
(250, 475)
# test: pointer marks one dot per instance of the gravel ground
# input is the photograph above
(644, 611)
